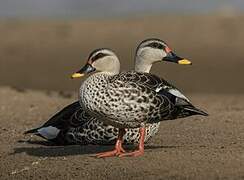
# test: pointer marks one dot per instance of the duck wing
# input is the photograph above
(182, 107)
(180, 104)
(150, 80)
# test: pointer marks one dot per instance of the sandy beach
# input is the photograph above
(193, 148)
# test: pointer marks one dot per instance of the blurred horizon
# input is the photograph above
(44, 41)
(113, 8)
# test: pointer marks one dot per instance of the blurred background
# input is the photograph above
(43, 42)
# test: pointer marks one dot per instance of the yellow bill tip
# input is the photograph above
(77, 75)
(184, 62)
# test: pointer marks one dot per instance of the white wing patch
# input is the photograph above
(178, 94)
(175, 92)
(49, 132)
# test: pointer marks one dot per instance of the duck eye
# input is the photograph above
(156, 45)
(153, 45)
(161, 46)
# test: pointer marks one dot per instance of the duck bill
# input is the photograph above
(83, 71)
(172, 57)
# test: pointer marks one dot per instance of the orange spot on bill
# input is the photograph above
(167, 49)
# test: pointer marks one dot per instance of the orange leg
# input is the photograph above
(118, 147)
(140, 151)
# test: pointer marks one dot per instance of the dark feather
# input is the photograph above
(32, 131)
(67, 117)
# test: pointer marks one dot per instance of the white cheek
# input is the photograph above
(107, 63)
(158, 54)
(163, 54)
(151, 55)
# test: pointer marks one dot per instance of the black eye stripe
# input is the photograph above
(156, 45)
(99, 51)
(98, 56)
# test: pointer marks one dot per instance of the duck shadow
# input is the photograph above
(48, 150)
(37, 142)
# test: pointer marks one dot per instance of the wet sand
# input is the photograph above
(193, 148)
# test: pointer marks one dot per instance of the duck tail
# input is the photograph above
(195, 111)
(32, 131)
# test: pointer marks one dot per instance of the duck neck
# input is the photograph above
(142, 65)
(111, 73)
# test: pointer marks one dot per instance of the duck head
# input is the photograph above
(151, 51)
(104, 60)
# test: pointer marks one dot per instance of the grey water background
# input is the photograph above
(105, 8)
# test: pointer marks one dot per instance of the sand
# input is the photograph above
(193, 148)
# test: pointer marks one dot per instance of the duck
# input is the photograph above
(131, 99)
(72, 126)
